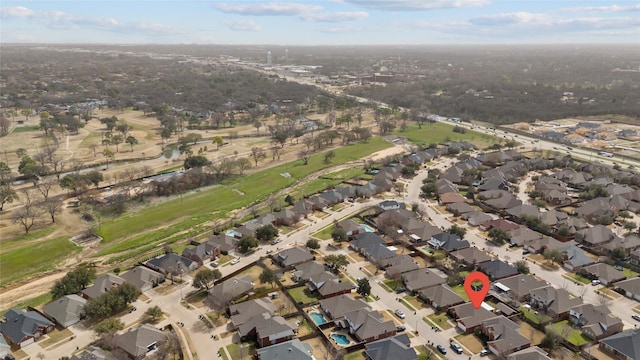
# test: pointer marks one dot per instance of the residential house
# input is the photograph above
(635, 257)
(378, 254)
(267, 330)
(478, 217)
(303, 207)
(445, 186)
(523, 210)
(332, 197)
(143, 278)
(497, 269)
(21, 328)
(288, 350)
(327, 285)
(140, 342)
(365, 240)
(448, 242)
(241, 312)
(594, 209)
(401, 218)
(93, 353)
(628, 243)
(596, 322)
(249, 228)
(499, 200)
(503, 336)
(522, 235)
(287, 217)
(624, 345)
(451, 198)
(368, 325)
(346, 191)
(574, 257)
(468, 318)
(399, 265)
(555, 302)
(440, 297)
(500, 224)
(421, 279)
(172, 264)
(396, 348)
(201, 252)
(459, 208)
(225, 243)
(304, 271)
(335, 307)
(604, 273)
(518, 287)
(101, 285)
(293, 256)
(539, 245)
(66, 311)
(351, 227)
(631, 287)
(225, 292)
(422, 231)
(469, 256)
(531, 353)
(387, 205)
(596, 236)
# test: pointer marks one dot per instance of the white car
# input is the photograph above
(235, 261)
(400, 314)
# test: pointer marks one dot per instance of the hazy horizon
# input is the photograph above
(320, 23)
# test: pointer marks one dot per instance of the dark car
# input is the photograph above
(400, 328)
(441, 349)
(456, 348)
(400, 290)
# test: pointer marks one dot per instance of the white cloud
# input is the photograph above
(268, 9)
(62, 20)
(510, 19)
(16, 12)
(338, 16)
(409, 5)
(243, 25)
(610, 8)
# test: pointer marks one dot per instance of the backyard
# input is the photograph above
(301, 295)
(571, 335)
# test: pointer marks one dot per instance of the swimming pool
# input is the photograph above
(340, 339)
(318, 318)
(231, 233)
(368, 228)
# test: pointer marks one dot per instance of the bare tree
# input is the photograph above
(52, 207)
(27, 213)
(44, 186)
(276, 152)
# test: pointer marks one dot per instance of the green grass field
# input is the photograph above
(573, 336)
(37, 257)
(201, 206)
(440, 133)
(21, 129)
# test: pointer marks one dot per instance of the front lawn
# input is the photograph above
(440, 133)
(241, 352)
(629, 273)
(575, 277)
(564, 329)
(441, 320)
(470, 342)
(391, 284)
(324, 233)
(301, 295)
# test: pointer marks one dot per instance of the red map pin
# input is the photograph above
(476, 296)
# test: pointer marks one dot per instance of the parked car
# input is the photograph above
(400, 314)
(400, 290)
(269, 251)
(441, 349)
(484, 352)
(276, 241)
(619, 268)
(235, 261)
(635, 317)
(400, 328)
(456, 348)
(595, 282)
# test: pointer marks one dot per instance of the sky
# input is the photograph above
(315, 22)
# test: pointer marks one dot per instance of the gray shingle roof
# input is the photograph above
(288, 350)
(21, 324)
(137, 342)
(626, 342)
(396, 348)
(67, 310)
